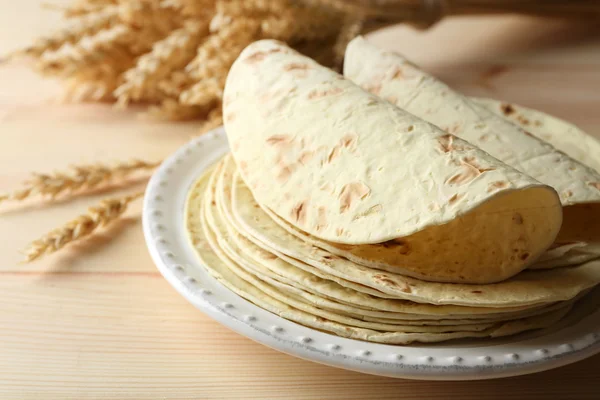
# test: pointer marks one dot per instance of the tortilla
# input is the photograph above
(383, 175)
(563, 135)
(219, 266)
(328, 294)
(394, 78)
(508, 132)
(526, 288)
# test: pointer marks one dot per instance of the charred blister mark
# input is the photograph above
(497, 185)
(594, 185)
(507, 109)
(298, 213)
(517, 219)
(351, 193)
(455, 198)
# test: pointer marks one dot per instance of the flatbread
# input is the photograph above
(382, 174)
(526, 288)
(394, 78)
(219, 266)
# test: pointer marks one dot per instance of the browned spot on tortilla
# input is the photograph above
(213, 203)
(333, 153)
(525, 256)
(470, 171)
(299, 212)
(537, 122)
(528, 133)
(349, 140)
(507, 109)
(352, 192)
(320, 319)
(296, 66)
(517, 219)
(305, 157)
(485, 137)
(392, 99)
(371, 210)
(446, 143)
(567, 194)
(455, 198)
(523, 120)
(255, 57)
(398, 73)
(284, 173)
(476, 291)
(497, 185)
(384, 279)
(595, 184)
(339, 231)
(315, 94)
(401, 246)
(286, 196)
(277, 140)
(321, 219)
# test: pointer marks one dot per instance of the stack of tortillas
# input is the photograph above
(411, 213)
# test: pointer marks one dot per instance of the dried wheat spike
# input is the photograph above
(75, 29)
(83, 177)
(167, 55)
(191, 8)
(105, 50)
(204, 93)
(218, 52)
(106, 212)
(252, 8)
(349, 30)
(86, 90)
(175, 83)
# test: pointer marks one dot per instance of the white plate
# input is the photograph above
(163, 218)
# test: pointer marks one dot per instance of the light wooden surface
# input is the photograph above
(98, 321)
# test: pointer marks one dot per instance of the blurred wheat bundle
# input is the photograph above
(175, 54)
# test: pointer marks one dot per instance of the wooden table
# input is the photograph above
(98, 320)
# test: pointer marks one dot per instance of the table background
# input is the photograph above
(98, 320)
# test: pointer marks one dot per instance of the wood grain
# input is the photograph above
(99, 322)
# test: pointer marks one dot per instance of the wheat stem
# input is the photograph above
(83, 177)
(106, 212)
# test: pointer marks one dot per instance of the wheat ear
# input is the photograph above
(83, 177)
(106, 212)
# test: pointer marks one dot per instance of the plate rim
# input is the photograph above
(174, 257)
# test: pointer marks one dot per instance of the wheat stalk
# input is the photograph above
(106, 212)
(82, 177)
(167, 55)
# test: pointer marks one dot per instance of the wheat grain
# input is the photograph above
(82, 177)
(167, 56)
(84, 225)
(74, 29)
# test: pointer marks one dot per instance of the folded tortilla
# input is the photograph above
(392, 77)
(348, 167)
(206, 234)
